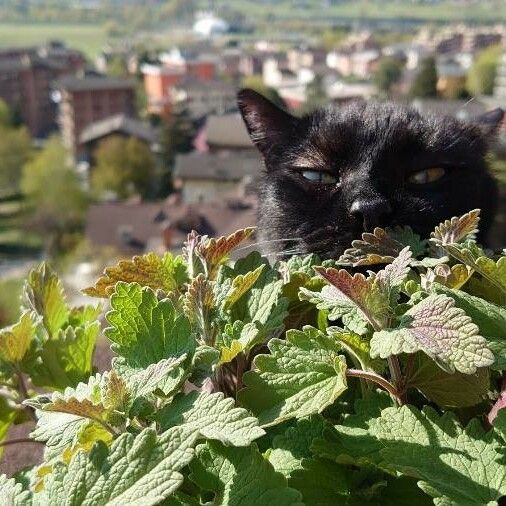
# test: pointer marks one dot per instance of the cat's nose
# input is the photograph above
(371, 212)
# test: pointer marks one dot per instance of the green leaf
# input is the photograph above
(455, 390)
(303, 375)
(356, 346)
(144, 329)
(166, 375)
(142, 469)
(455, 276)
(439, 329)
(115, 392)
(16, 340)
(241, 285)
(490, 319)
(351, 442)
(321, 482)
(8, 416)
(43, 294)
(212, 416)
(240, 476)
(456, 465)
(12, 493)
(290, 448)
(66, 359)
(165, 273)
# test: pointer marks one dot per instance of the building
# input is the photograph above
(210, 177)
(227, 133)
(118, 125)
(175, 66)
(357, 63)
(26, 76)
(87, 99)
(135, 227)
(202, 98)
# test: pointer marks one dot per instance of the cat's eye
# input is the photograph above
(319, 176)
(427, 175)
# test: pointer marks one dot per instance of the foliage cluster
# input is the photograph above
(302, 382)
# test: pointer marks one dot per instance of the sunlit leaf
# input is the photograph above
(157, 272)
(439, 329)
(16, 339)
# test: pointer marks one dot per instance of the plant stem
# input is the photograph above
(396, 375)
(23, 391)
(375, 378)
(19, 441)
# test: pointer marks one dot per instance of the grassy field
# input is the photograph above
(487, 10)
(88, 38)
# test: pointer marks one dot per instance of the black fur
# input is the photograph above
(372, 148)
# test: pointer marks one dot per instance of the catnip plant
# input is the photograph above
(374, 379)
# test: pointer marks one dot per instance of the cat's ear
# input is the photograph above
(490, 122)
(266, 122)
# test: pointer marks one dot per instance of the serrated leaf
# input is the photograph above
(16, 339)
(303, 375)
(12, 493)
(157, 272)
(439, 329)
(455, 276)
(212, 416)
(457, 229)
(43, 294)
(216, 251)
(382, 246)
(490, 319)
(144, 329)
(321, 482)
(456, 465)
(115, 392)
(166, 375)
(241, 285)
(455, 390)
(199, 306)
(290, 448)
(240, 476)
(356, 346)
(136, 470)
(350, 442)
(66, 359)
(366, 294)
(331, 300)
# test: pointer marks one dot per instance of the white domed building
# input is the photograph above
(208, 25)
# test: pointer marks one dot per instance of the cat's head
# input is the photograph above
(334, 173)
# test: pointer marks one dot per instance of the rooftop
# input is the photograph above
(86, 83)
(228, 166)
(227, 130)
(119, 123)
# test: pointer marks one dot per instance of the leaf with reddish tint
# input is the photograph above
(457, 229)
(367, 294)
(216, 251)
(199, 306)
(455, 276)
(159, 273)
(439, 329)
(382, 246)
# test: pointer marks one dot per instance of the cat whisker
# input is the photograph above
(270, 241)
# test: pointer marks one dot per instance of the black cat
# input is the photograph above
(334, 173)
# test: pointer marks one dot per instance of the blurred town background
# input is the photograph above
(119, 130)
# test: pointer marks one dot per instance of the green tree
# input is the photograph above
(55, 198)
(256, 83)
(388, 73)
(117, 67)
(124, 166)
(5, 114)
(177, 135)
(15, 150)
(425, 83)
(315, 94)
(481, 77)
